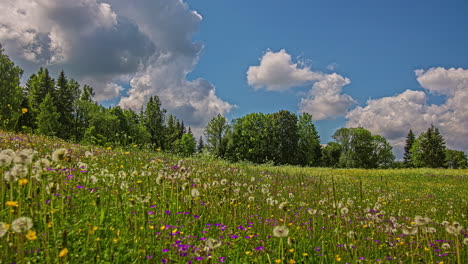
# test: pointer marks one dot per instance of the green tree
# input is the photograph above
(37, 87)
(154, 120)
(407, 158)
(331, 155)
(283, 137)
(309, 150)
(171, 133)
(250, 139)
(215, 132)
(67, 92)
(87, 94)
(361, 149)
(429, 149)
(185, 146)
(200, 145)
(382, 155)
(456, 159)
(11, 94)
(48, 118)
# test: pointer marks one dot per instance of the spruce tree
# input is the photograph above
(48, 118)
(37, 87)
(429, 149)
(67, 93)
(200, 145)
(407, 159)
(154, 120)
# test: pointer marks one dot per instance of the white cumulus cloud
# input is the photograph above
(392, 117)
(277, 72)
(325, 100)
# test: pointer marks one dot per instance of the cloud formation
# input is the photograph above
(277, 72)
(324, 100)
(147, 43)
(392, 117)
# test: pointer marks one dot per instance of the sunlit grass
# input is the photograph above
(105, 205)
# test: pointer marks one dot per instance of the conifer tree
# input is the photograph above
(407, 159)
(154, 120)
(48, 118)
(200, 145)
(37, 87)
(67, 93)
(429, 149)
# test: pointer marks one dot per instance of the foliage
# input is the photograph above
(154, 120)
(456, 159)
(186, 146)
(215, 133)
(308, 145)
(11, 95)
(407, 158)
(429, 149)
(48, 119)
(331, 155)
(361, 149)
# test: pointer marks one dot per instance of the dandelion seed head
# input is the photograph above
(280, 231)
(21, 224)
(42, 163)
(283, 206)
(24, 157)
(3, 229)
(195, 192)
(344, 210)
(59, 154)
(421, 220)
(5, 160)
(445, 246)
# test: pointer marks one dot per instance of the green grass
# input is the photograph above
(134, 206)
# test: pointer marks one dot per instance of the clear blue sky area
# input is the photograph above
(376, 44)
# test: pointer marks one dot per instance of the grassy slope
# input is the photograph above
(143, 208)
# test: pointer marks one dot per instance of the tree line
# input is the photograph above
(61, 107)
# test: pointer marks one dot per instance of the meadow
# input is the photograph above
(68, 203)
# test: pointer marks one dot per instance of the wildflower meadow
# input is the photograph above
(68, 203)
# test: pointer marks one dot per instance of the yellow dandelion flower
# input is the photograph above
(24, 110)
(277, 260)
(31, 235)
(248, 253)
(22, 182)
(63, 253)
(162, 227)
(115, 240)
(292, 261)
(305, 254)
(12, 203)
(291, 250)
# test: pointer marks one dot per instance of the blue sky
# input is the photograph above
(377, 44)
(387, 66)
